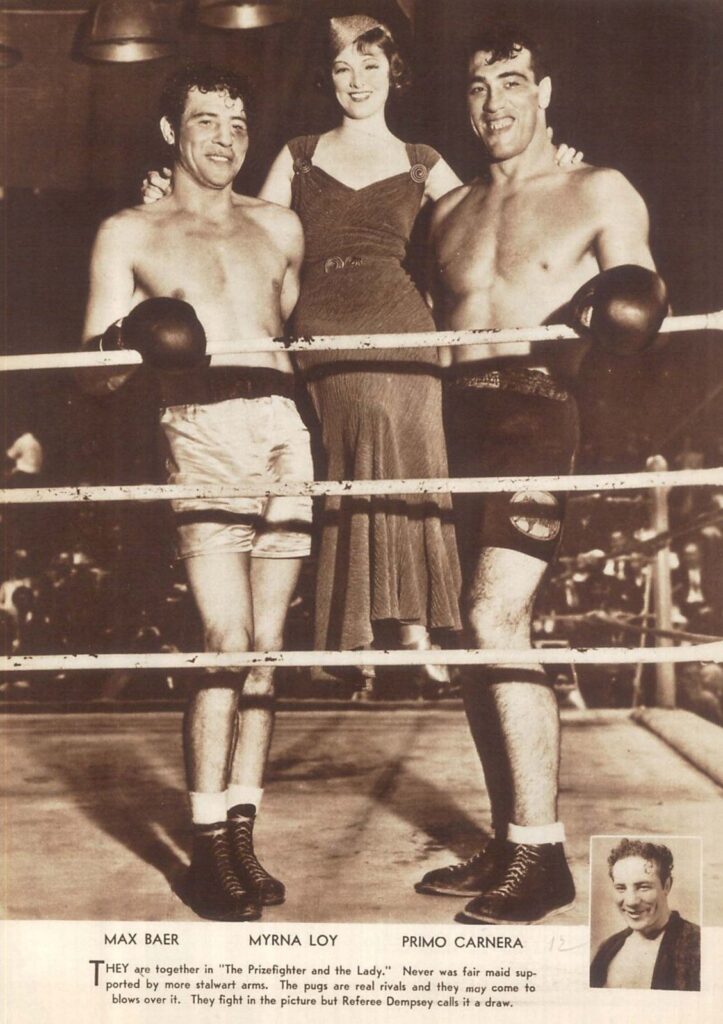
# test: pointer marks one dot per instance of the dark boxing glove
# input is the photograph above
(166, 332)
(622, 308)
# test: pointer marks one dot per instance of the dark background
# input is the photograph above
(636, 85)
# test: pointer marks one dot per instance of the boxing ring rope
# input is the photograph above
(707, 652)
(516, 338)
(368, 488)
(519, 337)
(632, 624)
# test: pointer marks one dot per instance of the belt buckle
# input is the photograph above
(334, 263)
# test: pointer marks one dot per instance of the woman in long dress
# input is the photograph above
(358, 190)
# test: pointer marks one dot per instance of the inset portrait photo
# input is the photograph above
(645, 912)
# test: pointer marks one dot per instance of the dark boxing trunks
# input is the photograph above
(509, 423)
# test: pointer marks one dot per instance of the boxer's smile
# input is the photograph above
(641, 897)
(499, 124)
(504, 101)
(213, 137)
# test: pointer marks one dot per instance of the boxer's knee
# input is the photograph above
(226, 637)
(259, 686)
(492, 626)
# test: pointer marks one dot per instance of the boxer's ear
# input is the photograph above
(167, 131)
(544, 93)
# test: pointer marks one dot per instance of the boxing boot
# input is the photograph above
(471, 877)
(535, 884)
(267, 889)
(211, 887)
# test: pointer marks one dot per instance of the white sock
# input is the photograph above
(207, 808)
(236, 795)
(536, 835)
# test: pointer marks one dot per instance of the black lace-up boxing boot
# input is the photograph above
(268, 890)
(536, 884)
(211, 887)
(483, 870)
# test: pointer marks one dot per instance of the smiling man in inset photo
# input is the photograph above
(658, 948)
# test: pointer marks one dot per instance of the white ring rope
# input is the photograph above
(315, 488)
(520, 336)
(707, 652)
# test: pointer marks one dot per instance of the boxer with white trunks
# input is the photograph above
(202, 422)
(206, 262)
(511, 249)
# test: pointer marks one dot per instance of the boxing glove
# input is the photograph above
(166, 332)
(622, 308)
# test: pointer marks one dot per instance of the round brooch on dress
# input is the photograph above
(419, 173)
(302, 165)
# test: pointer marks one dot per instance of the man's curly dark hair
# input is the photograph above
(502, 40)
(205, 78)
(657, 853)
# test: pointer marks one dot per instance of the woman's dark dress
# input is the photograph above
(380, 411)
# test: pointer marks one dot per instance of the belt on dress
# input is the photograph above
(210, 385)
(522, 382)
(336, 263)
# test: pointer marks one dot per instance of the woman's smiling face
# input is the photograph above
(361, 80)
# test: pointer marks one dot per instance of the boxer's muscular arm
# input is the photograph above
(291, 238)
(433, 290)
(110, 296)
(277, 187)
(624, 230)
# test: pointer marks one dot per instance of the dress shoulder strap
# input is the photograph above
(422, 159)
(302, 149)
(424, 155)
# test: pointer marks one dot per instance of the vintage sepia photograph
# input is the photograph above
(362, 522)
(651, 885)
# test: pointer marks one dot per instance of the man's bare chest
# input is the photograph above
(513, 237)
(189, 259)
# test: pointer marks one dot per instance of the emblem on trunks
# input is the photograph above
(535, 514)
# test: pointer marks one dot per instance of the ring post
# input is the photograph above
(662, 588)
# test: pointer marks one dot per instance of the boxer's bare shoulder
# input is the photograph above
(606, 190)
(615, 213)
(123, 234)
(279, 222)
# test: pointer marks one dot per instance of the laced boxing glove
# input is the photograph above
(622, 308)
(166, 332)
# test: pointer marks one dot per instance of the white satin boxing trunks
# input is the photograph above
(256, 434)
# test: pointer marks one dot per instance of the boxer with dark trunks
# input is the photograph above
(207, 263)
(523, 245)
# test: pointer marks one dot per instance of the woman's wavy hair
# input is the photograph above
(399, 72)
